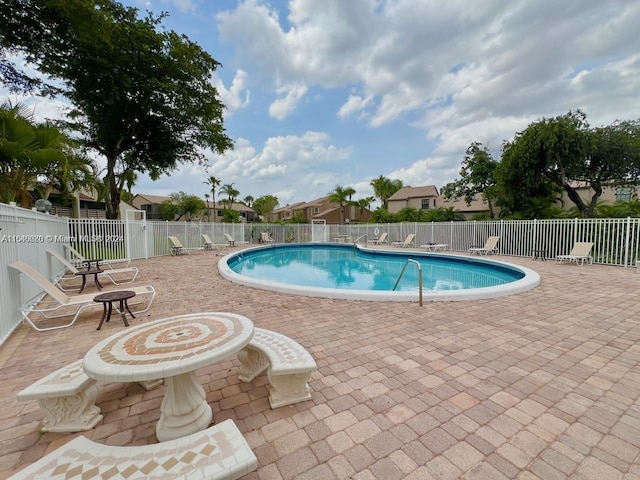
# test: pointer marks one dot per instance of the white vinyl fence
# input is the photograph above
(26, 235)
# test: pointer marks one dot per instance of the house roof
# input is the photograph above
(406, 193)
(152, 199)
(293, 206)
(314, 203)
(158, 199)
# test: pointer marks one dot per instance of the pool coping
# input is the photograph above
(530, 280)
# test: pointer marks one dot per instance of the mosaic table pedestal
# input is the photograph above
(184, 408)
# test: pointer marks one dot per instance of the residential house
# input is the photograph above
(320, 209)
(83, 204)
(247, 215)
(283, 213)
(420, 198)
(151, 205)
(477, 207)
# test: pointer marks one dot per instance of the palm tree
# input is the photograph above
(383, 188)
(207, 196)
(248, 200)
(213, 183)
(231, 192)
(31, 152)
(362, 204)
(340, 196)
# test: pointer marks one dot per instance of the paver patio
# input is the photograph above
(540, 385)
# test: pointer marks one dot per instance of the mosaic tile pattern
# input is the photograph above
(219, 452)
(168, 346)
(286, 355)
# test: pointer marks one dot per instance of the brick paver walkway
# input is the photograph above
(539, 385)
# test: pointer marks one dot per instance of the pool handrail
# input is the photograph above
(355, 242)
(404, 267)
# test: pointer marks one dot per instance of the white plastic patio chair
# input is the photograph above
(118, 276)
(491, 246)
(407, 241)
(61, 305)
(581, 252)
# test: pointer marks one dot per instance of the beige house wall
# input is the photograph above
(397, 205)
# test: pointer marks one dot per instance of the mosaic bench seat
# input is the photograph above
(68, 398)
(219, 452)
(288, 366)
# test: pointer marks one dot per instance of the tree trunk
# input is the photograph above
(576, 199)
(491, 214)
(112, 191)
(594, 200)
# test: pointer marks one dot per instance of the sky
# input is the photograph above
(339, 92)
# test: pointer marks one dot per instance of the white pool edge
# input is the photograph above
(530, 280)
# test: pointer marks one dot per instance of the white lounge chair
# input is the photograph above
(78, 259)
(408, 242)
(266, 238)
(62, 305)
(176, 247)
(118, 276)
(491, 246)
(382, 239)
(581, 252)
(207, 243)
(230, 240)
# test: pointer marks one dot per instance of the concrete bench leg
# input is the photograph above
(252, 364)
(288, 389)
(72, 413)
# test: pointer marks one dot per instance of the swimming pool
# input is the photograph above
(342, 271)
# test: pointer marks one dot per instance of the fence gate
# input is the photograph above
(136, 234)
(319, 230)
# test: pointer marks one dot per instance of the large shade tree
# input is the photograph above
(477, 176)
(265, 204)
(142, 96)
(560, 154)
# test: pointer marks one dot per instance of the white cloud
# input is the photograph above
(237, 95)
(305, 163)
(487, 58)
(284, 106)
(353, 105)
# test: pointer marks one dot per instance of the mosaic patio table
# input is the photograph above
(172, 348)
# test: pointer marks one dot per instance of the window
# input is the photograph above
(624, 194)
(316, 209)
(425, 203)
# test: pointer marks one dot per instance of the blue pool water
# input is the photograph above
(325, 268)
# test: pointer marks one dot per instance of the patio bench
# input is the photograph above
(68, 397)
(288, 366)
(219, 452)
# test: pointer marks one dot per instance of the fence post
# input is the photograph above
(626, 243)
